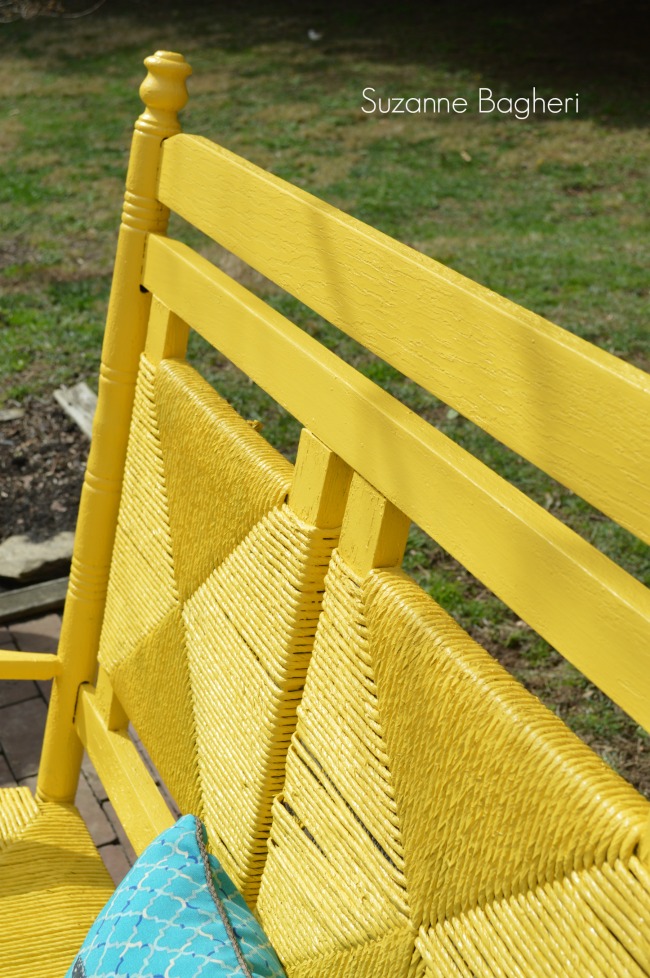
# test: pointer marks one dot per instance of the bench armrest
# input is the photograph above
(28, 665)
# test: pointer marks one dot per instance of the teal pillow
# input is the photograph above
(176, 915)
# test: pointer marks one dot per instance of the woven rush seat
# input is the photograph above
(50, 872)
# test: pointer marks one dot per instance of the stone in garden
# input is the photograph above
(22, 559)
(79, 403)
(11, 414)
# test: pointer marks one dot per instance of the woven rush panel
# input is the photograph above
(142, 588)
(221, 475)
(591, 924)
(17, 809)
(52, 886)
(153, 685)
(197, 478)
(390, 956)
(214, 595)
(334, 877)
(250, 630)
(495, 795)
(425, 787)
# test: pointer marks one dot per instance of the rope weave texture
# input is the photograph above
(49, 870)
(214, 595)
(437, 818)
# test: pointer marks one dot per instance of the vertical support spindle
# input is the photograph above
(164, 94)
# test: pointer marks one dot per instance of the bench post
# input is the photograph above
(164, 94)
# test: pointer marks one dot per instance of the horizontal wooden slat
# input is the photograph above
(586, 606)
(577, 412)
(28, 665)
(133, 792)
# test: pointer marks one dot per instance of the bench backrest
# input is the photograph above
(370, 778)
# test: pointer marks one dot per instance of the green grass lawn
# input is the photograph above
(549, 211)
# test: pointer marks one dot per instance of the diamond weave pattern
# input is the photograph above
(214, 596)
(436, 819)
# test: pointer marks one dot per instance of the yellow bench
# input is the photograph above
(388, 799)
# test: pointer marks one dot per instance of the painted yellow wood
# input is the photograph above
(574, 410)
(133, 792)
(28, 665)
(374, 532)
(586, 606)
(167, 335)
(320, 484)
(163, 93)
(113, 713)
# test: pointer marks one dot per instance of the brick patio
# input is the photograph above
(23, 708)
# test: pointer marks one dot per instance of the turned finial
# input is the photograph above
(163, 92)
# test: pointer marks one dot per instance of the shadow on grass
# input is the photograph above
(592, 47)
